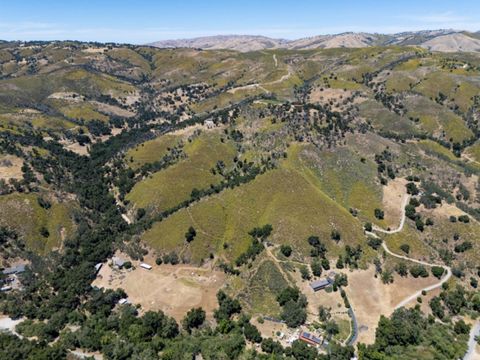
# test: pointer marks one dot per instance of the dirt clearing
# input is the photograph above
(172, 289)
(10, 167)
(393, 194)
(370, 298)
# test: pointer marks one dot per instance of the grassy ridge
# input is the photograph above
(169, 187)
(22, 213)
(150, 151)
(285, 197)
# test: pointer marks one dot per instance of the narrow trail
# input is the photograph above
(277, 264)
(472, 343)
(405, 201)
(261, 86)
(412, 297)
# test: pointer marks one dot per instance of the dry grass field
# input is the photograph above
(370, 298)
(172, 289)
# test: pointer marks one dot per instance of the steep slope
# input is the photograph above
(444, 40)
(242, 43)
(453, 43)
(346, 40)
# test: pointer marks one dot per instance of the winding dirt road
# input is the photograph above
(405, 201)
(412, 297)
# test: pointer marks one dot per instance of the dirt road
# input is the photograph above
(472, 353)
(412, 297)
(405, 201)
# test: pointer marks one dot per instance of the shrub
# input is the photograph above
(286, 250)
(405, 248)
(412, 188)
(374, 243)
(335, 235)
(305, 272)
(462, 247)
(316, 268)
(379, 214)
(464, 218)
(437, 271)
(193, 319)
(418, 270)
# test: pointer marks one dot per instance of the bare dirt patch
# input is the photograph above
(172, 289)
(10, 167)
(445, 210)
(393, 194)
(370, 298)
(69, 96)
(112, 109)
(75, 147)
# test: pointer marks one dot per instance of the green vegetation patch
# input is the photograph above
(22, 213)
(262, 290)
(346, 179)
(169, 187)
(287, 198)
(474, 152)
(150, 151)
(384, 120)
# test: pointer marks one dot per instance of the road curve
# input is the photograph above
(472, 343)
(402, 221)
(444, 279)
(412, 297)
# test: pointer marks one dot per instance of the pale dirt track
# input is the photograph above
(472, 353)
(444, 279)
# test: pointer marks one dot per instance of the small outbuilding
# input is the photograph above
(145, 266)
(98, 267)
(320, 284)
(14, 270)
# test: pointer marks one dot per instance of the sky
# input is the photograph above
(143, 21)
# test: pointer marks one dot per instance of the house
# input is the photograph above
(145, 266)
(309, 338)
(118, 262)
(320, 284)
(209, 124)
(14, 270)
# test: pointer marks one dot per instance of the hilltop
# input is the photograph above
(436, 40)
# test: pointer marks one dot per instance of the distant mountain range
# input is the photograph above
(435, 40)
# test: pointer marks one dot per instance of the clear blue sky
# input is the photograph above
(142, 21)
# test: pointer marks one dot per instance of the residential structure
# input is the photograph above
(320, 284)
(14, 270)
(310, 338)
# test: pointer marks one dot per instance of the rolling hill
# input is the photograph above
(141, 186)
(435, 40)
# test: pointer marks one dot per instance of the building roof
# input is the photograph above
(14, 269)
(310, 338)
(118, 261)
(319, 283)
